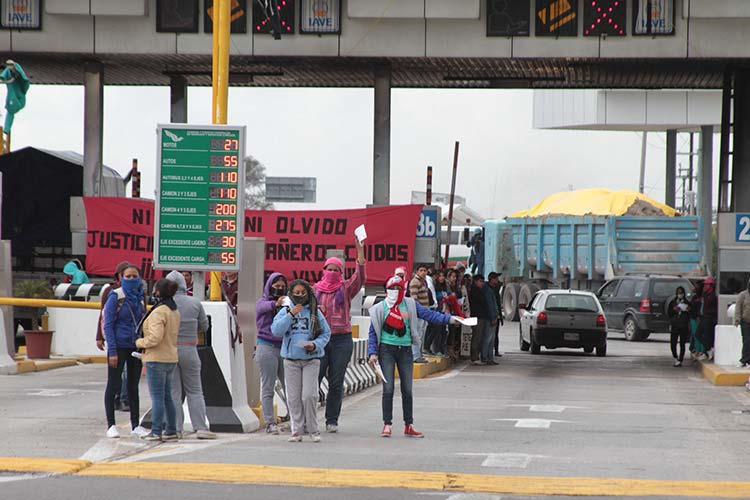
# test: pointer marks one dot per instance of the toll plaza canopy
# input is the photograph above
(598, 202)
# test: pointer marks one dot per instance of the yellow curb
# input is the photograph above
(724, 376)
(42, 465)
(42, 366)
(87, 360)
(435, 365)
(412, 480)
(25, 366)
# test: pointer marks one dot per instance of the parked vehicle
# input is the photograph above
(584, 252)
(563, 318)
(638, 304)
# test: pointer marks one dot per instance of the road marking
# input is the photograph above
(23, 477)
(547, 408)
(504, 460)
(184, 446)
(56, 393)
(108, 449)
(532, 423)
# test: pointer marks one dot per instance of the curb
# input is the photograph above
(724, 375)
(42, 465)
(435, 365)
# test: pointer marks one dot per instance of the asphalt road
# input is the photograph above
(561, 414)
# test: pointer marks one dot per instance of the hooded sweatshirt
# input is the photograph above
(742, 307)
(120, 320)
(192, 315)
(265, 311)
(78, 277)
(339, 316)
(294, 332)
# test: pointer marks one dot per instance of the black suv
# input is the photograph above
(638, 304)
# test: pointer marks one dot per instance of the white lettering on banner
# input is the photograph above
(427, 227)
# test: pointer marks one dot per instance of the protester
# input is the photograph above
(493, 280)
(476, 258)
(121, 316)
(187, 375)
(305, 333)
(400, 272)
(75, 274)
(679, 320)
(742, 319)
(453, 305)
(390, 344)
(709, 317)
(268, 350)
(160, 331)
(334, 295)
(418, 291)
(188, 275)
(696, 304)
(230, 287)
(484, 310)
(436, 341)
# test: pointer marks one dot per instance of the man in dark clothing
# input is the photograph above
(710, 316)
(230, 286)
(480, 308)
(493, 280)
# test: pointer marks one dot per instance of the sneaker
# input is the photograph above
(711, 353)
(386, 432)
(151, 437)
(677, 363)
(332, 428)
(421, 361)
(702, 356)
(205, 434)
(169, 437)
(295, 438)
(112, 432)
(315, 437)
(410, 431)
(180, 434)
(272, 429)
(492, 362)
(139, 432)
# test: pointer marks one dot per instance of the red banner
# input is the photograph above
(296, 241)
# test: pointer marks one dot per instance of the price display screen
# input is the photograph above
(199, 200)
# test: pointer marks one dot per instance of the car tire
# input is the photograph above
(522, 344)
(533, 346)
(631, 330)
(601, 351)
(526, 293)
(588, 350)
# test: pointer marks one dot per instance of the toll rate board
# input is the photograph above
(199, 208)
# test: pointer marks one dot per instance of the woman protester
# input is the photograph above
(186, 378)
(390, 341)
(123, 312)
(160, 331)
(268, 351)
(304, 334)
(334, 295)
(679, 320)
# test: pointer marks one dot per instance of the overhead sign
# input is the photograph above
(262, 21)
(177, 16)
(508, 18)
(238, 15)
(556, 17)
(21, 14)
(604, 17)
(742, 228)
(291, 189)
(429, 222)
(320, 16)
(653, 17)
(200, 185)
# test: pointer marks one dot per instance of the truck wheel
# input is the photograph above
(601, 351)
(527, 292)
(632, 332)
(510, 301)
(535, 348)
(522, 344)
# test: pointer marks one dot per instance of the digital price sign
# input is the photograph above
(200, 183)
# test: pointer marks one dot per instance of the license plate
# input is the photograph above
(571, 336)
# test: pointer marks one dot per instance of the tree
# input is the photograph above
(255, 185)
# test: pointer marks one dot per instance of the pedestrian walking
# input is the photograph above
(390, 342)
(696, 304)
(418, 291)
(709, 317)
(268, 350)
(679, 321)
(334, 295)
(123, 311)
(186, 379)
(160, 331)
(481, 307)
(304, 334)
(742, 319)
(453, 305)
(493, 280)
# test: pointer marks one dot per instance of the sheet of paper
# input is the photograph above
(379, 372)
(467, 321)
(360, 233)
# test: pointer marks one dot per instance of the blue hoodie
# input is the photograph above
(120, 327)
(265, 310)
(295, 331)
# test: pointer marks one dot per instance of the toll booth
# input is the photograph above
(734, 259)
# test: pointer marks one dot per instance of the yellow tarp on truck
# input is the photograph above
(598, 202)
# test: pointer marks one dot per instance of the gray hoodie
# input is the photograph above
(192, 316)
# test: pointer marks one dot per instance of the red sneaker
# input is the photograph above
(386, 431)
(410, 431)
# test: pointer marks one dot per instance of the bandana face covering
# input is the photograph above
(394, 323)
(391, 297)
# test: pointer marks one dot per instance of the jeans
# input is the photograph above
(477, 338)
(333, 365)
(271, 367)
(114, 384)
(390, 357)
(488, 342)
(745, 327)
(416, 348)
(186, 384)
(159, 377)
(302, 394)
(681, 334)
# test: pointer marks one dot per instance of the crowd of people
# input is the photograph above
(693, 321)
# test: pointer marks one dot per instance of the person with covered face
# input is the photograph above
(304, 334)
(742, 319)
(334, 295)
(392, 324)
(709, 317)
(679, 321)
(268, 351)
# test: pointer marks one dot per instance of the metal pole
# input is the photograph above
(705, 193)
(740, 178)
(691, 173)
(428, 194)
(642, 178)
(135, 179)
(450, 207)
(671, 170)
(93, 127)
(381, 162)
(726, 130)
(178, 99)
(221, 30)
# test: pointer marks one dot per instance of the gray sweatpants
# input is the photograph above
(187, 377)
(302, 394)
(271, 367)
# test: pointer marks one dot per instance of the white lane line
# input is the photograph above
(451, 374)
(532, 423)
(107, 449)
(504, 460)
(548, 408)
(461, 496)
(185, 446)
(23, 477)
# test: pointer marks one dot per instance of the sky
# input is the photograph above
(505, 164)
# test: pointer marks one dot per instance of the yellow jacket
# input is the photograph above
(160, 336)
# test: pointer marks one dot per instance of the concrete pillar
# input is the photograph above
(178, 99)
(671, 170)
(381, 178)
(251, 281)
(741, 147)
(93, 126)
(705, 193)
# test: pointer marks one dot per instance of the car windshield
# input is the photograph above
(667, 288)
(571, 303)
